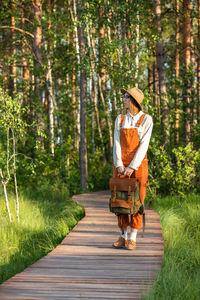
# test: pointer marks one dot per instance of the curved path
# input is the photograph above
(85, 266)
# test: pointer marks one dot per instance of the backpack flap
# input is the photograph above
(123, 183)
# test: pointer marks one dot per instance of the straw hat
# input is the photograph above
(136, 93)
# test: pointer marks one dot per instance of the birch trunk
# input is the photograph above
(105, 107)
(5, 181)
(91, 89)
(49, 81)
(60, 131)
(74, 16)
(92, 113)
(5, 195)
(94, 85)
(103, 79)
(15, 175)
(112, 84)
(75, 101)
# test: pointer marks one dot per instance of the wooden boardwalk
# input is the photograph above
(85, 266)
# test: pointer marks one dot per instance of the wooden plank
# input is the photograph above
(86, 266)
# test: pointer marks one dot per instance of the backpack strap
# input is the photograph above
(140, 120)
(122, 120)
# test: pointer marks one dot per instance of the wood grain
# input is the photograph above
(85, 266)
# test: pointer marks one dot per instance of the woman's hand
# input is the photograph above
(128, 171)
(120, 170)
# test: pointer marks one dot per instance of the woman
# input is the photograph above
(131, 140)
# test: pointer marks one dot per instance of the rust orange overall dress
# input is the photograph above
(129, 140)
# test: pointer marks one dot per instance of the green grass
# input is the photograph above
(46, 216)
(179, 277)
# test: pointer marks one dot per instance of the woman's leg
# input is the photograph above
(123, 222)
(136, 219)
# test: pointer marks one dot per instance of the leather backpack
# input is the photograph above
(125, 197)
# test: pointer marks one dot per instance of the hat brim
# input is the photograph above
(123, 91)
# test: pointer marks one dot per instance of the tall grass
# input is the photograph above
(179, 277)
(46, 216)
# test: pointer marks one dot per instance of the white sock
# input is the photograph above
(133, 234)
(125, 235)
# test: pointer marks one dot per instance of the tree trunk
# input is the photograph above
(76, 74)
(94, 87)
(83, 87)
(37, 50)
(177, 62)
(102, 57)
(161, 74)
(12, 79)
(150, 72)
(105, 107)
(15, 174)
(187, 6)
(60, 131)
(193, 81)
(156, 98)
(6, 196)
(5, 181)
(102, 80)
(92, 113)
(112, 84)
(91, 95)
(137, 49)
(75, 100)
(5, 71)
(198, 66)
(49, 82)
(25, 63)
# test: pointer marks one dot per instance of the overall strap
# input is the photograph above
(122, 120)
(140, 120)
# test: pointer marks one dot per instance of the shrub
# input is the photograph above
(176, 172)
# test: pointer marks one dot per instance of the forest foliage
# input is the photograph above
(62, 66)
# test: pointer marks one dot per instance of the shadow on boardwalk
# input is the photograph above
(85, 266)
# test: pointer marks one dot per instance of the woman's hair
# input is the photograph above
(134, 102)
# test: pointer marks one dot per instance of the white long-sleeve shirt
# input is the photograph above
(144, 132)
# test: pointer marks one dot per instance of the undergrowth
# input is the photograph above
(46, 216)
(180, 274)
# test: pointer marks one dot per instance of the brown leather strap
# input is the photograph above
(144, 222)
(122, 119)
(140, 120)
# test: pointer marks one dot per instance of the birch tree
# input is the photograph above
(49, 80)
(10, 120)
